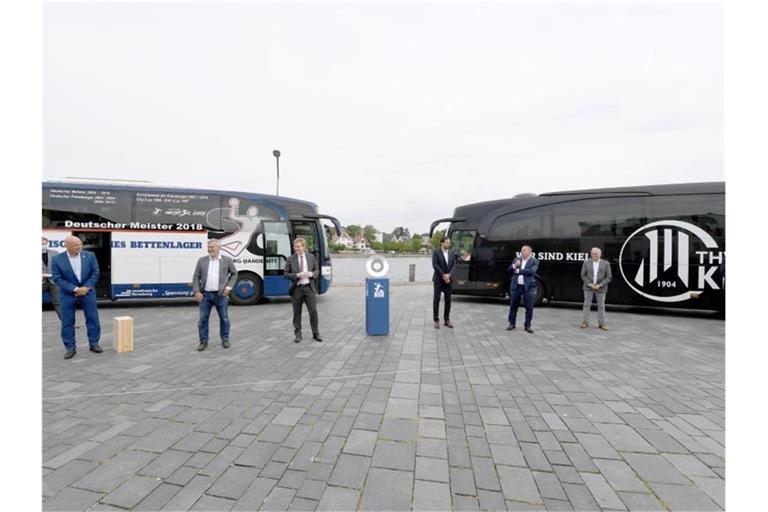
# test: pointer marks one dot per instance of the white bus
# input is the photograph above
(147, 238)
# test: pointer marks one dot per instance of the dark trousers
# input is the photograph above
(528, 298)
(304, 294)
(446, 288)
(53, 291)
(68, 305)
(221, 303)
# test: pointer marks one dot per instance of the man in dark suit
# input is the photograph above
(523, 270)
(303, 271)
(213, 280)
(595, 274)
(443, 261)
(75, 273)
(48, 284)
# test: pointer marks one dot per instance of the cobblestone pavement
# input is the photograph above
(471, 418)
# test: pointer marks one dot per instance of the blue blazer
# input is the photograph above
(528, 273)
(65, 277)
(440, 266)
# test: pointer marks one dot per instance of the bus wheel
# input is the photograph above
(248, 289)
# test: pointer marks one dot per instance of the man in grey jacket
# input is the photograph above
(595, 274)
(214, 278)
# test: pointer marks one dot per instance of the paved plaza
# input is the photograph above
(473, 418)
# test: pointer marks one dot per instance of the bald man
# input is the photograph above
(595, 274)
(76, 272)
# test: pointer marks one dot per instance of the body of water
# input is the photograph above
(351, 269)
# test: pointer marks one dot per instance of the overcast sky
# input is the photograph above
(385, 114)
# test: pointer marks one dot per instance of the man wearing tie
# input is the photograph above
(595, 274)
(302, 270)
(523, 270)
(443, 261)
(214, 278)
(48, 284)
(75, 273)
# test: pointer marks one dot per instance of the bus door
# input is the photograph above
(277, 250)
(463, 245)
(100, 244)
(309, 232)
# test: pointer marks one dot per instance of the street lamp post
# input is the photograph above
(276, 154)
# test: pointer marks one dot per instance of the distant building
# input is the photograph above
(359, 243)
(378, 236)
(344, 239)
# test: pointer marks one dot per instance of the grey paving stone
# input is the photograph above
(549, 486)
(534, 457)
(464, 502)
(435, 470)
(279, 499)
(360, 442)
(256, 455)
(655, 468)
(165, 464)
(71, 499)
(620, 475)
(131, 492)
(114, 472)
(188, 496)
(683, 497)
(624, 438)
(462, 481)
(602, 492)
(689, 465)
(157, 499)
(640, 501)
(338, 499)
(580, 497)
(378, 494)
(56, 480)
(254, 495)
(163, 437)
(303, 504)
(350, 471)
(392, 455)
(212, 503)
(485, 474)
(491, 500)
(434, 448)
(518, 485)
(431, 496)
(509, 455)
(233, 482)
(70, 455)
(712, 487)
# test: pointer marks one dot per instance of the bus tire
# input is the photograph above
(248, 289)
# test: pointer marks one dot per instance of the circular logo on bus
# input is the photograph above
(671, 261)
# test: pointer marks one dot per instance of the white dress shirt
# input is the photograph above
(212, 279)
(445, 255)
(76, 266)
(303, 267)
(520, 279)
(595, 266)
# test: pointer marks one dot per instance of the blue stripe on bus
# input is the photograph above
(276, 286)
(151, 290)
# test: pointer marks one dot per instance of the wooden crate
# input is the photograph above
(123, 334)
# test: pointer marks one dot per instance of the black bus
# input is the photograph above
(665, 243)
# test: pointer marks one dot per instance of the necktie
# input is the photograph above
(301, 263)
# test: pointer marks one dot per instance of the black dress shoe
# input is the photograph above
(449, 324)
(510, 327)
(70, 354)
(202, 346)
(97, 349)
(225, 343)
(528, 329)
(317, 337)
(297, 339)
